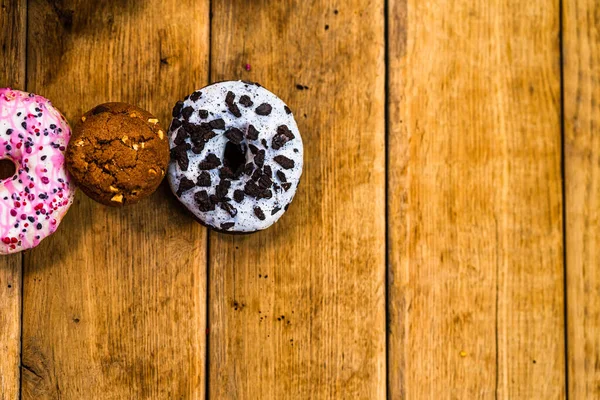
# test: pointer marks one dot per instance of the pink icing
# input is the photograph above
(34, 135)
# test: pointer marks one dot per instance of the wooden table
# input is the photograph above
(444, 243)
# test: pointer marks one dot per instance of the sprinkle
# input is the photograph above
(248, 67)
(13, 213)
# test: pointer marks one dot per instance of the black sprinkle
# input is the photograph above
(31, 219)
(9, 131)
(264, 109)
(259, 213)
(38, 226)
(285, 162)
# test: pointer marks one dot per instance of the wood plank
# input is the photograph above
(298, 311)
(475, 205)
(114, 302)
(581, 50)
(13, 28)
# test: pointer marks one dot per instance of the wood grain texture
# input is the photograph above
(114, 302)
(475, 205)
(298, 311)
(13, 28)
(581, 50)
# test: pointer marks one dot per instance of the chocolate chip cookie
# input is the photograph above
(118, 154)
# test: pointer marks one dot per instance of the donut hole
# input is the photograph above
(235, 156)
(8, 168)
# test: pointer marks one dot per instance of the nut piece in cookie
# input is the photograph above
(118, 154)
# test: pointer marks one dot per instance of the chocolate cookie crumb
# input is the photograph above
(252, 133)
(246, 101)
(204, 179)
(259, 213)
(210, 162)
(184, 185)
(285, 162)
(264, 109)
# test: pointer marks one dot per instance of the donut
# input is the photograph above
(33, 201)
(236, 156)
(118, 154)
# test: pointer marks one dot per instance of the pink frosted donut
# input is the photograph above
(33, 135)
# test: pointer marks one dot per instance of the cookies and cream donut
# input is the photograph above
(236, 156)
(33, 201)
